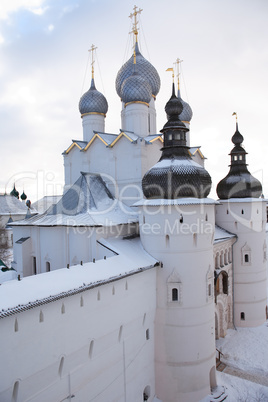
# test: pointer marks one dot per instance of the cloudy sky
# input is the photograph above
(43, 73)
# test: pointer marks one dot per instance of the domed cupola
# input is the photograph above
(187, 113)
(23, 196)
(176, 175)
(145, 69)
(93, 101)
(238, 183)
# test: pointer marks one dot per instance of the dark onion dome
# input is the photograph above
(93, 101)
(14, 192)
(23, 196)
(146, 71)
(176, 175)
(187, 113)
(238, 183)
(136, 89)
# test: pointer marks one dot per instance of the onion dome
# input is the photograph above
(93, 101)
(187, 113)
(136, 89)
(176, 175)
(14, 192)
(146, 71)
(23, 196)
(239, 183)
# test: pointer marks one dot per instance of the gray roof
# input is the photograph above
(87, 203)
(93, 101)
(44, 203)
(10, 205)
(222, 234)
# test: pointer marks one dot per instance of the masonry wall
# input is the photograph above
(94, 346)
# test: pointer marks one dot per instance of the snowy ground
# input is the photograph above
(245, 349)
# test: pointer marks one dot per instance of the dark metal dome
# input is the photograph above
(93, 101)
(176, 175)
(136, 89)
(239, 183)
(187, 113)
(145, 69)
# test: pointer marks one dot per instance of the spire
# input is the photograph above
(92, 49)
(239, 183)
(135, 22)
(177, 63)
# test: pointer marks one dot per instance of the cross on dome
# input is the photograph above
(92, 58)
(135, 23)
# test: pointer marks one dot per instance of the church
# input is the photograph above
(125, 283)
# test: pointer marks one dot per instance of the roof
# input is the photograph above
(222, 234)
(44, 203)
(87, 203)
(16, 296)
(10, 205)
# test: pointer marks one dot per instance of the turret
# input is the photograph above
(177, 227)
(93, 107)
(243, 212)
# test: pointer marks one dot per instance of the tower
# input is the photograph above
(93, 107)
(243, 212)
(177, 227)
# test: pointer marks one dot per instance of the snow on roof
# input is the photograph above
(87, 203)
(177, 201)
(44, 203)
(233, 200)
(222, 234)
(16, 296)
(11, 205)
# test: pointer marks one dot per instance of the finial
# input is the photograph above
(135, 23)
(235, 114)
(134, 58)
(171, 69)
(177, 64)
(92, 59)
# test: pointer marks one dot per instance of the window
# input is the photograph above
(246, 257)
(177, 136)
(167, 240)
(242, 315)
(61, 366)
(174, 294)
(170, 137)
(15, 391)
(90, 351)
(47, 266)
(34, 265)
(209, 289)
(147, 334)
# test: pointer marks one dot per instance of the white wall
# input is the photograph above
(116, 368)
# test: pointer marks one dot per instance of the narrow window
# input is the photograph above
(209, 289)
(195, 239)
(113, 290)
(167, 240)
(227, 211)
(126, 286)
(62, 309)
(120, 333)
(47, 266)
(246, 258)
(242, 315)
(41, 316)
(242, 212)
(206, 218)
(240, 157)
(90, 351)
(143, 219)
(16, 325)
(147, 334)
(15, 392)
(181, 218)
(144, 318)
(169, 137)
(174, 294)
(177, 136)
(34, 265)
(81, 301)
(98, 296)
(61, 366)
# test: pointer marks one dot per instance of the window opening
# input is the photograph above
(47, 266)
(246, 258)
(174, 294)
(147, 334)
(242, 316)
(34, 265)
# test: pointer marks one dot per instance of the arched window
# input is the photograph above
(15, 391)
(61, 366)
(167, 240)
(174, 294)
(90, 351)
(47, 266)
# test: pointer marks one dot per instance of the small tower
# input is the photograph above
(138, 94)
(243, 212)
(177, 227)
(93, 107)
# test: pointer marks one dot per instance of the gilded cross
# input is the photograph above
(92, 58)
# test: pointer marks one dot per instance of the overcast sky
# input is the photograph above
(44, 54)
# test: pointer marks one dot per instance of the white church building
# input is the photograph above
(125, 283)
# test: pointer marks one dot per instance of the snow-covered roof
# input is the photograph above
(87, 203)
(233, 200)
(176, 201)
(44, 203)
(131, 258)
(222, 234)
(11, 205)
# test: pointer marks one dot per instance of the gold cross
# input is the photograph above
(92, 58)
(177, 63)
(135, 23)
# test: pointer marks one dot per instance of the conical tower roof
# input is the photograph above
(93, 101)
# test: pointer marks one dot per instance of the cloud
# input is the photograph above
(8, 7)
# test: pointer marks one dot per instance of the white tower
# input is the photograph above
(93, 107)
(242, 212)
(177, 227)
